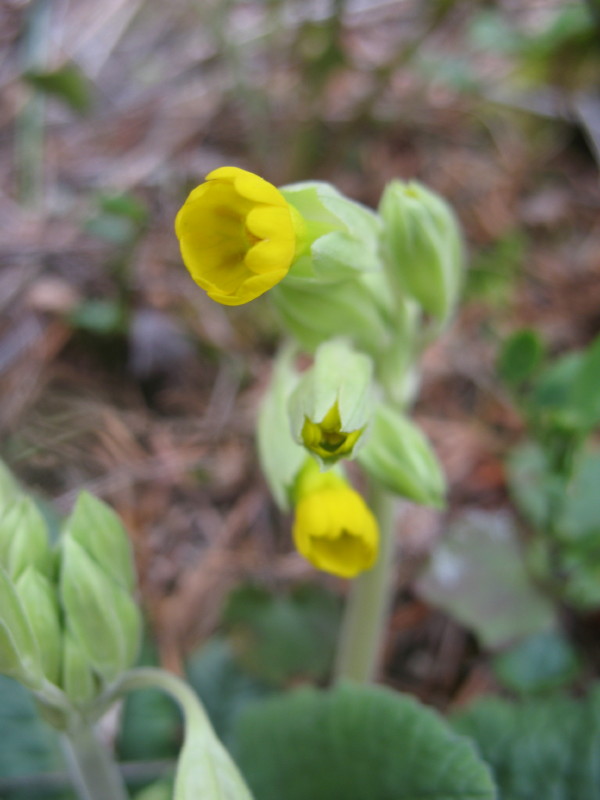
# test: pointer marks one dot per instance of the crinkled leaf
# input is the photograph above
(541, 662)
(538, 748)
(356, 743)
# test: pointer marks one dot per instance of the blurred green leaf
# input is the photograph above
(283, 638)
(356, 743)
(223, 687)
(101, 317)
(539, 663)
(581, 512)
(585, 392)
(538, 748)
(123, 205)
(490, 31)
(150, 727)
(29, 746)
(520, 356)
(112, 228)
(477, 575)
(530, 482)
(67, 83)
(492, 273)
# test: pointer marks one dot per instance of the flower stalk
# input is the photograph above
(368, 603)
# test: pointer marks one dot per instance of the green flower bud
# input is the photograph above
(280, 456)
(331, 407)
(399, 456)
(24, 539)
(100, 532)
(78, 680)
(314, 312)
(343, 236)
(422, 245)
(40, 603)
(100, 613)
(19, 651)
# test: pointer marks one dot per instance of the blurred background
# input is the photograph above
(118, 375)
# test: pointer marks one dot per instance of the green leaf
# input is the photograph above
(477, 575)
(101, 317)
(539, 663)
(530, 482)
(223, 687)
(585, 392)
(520, 356)
(28, 745)
(356, 743)
(150, 728)
(67, 83)
(283, 638)
(538, 748)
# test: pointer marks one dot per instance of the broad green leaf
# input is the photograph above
(67, 83)
(520, 356)
(539, 663)
(29, 746)
(283, 638)
(538, 748)
(477, 575)
(356, 743)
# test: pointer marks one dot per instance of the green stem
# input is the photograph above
(367, 608)
(93, 771)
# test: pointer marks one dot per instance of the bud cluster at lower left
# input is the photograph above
(68, 616)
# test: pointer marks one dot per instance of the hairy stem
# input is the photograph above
(93, 771)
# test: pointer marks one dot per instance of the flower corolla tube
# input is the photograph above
(238, 235)
(334, 528)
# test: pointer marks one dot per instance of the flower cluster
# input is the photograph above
(359, 292)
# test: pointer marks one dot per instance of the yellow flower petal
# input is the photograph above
(237, 235)
(335, 530)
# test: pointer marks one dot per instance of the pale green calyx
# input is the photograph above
(38, 598)
(331, 407)
(342, 235)
(24, 539)
(19, 651)
(77, 678)
(100, 532)
(399, 456)
(422, 245)
(280, 456)
(101, 614)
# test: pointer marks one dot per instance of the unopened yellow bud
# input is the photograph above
(333, 528)
(238, 235)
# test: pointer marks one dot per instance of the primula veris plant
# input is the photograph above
(238, 235)
(333, 526)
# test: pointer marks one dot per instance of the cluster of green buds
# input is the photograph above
(69, 623)
(360, 293)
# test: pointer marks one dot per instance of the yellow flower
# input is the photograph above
(326, 438)
(334, 529)
(237, 235)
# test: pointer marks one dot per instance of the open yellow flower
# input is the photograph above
(334, 529)
(237, 235)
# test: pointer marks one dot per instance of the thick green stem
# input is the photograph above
(367, 607)
(93, 771)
